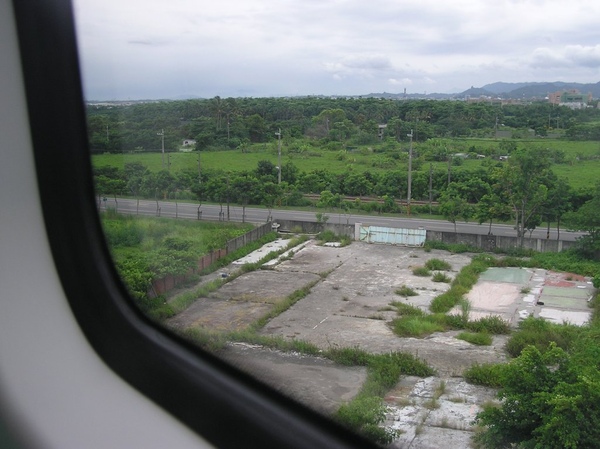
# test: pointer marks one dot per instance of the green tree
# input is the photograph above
(109, 181)
(257, 128)
(135, 173)
(453, 206)
(245, 189)
(549, 400)
(557, 203)
(491, 207)
(524, 180)
(587, 219)
(271, 195)
(266, 168)
(356, 184)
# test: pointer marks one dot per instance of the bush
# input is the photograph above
(421, 271)
(541, 334)
(364, 414)
(490, 324)
(487, 374)
(406, 291)
(441, 277)
(478, 338)
(413, 326)
(438, 265)
(407, 309)
(444, 302)
(348, 356)
(549, 400)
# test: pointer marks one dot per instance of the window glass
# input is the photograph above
(246, 152)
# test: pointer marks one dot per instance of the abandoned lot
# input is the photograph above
(348, 305)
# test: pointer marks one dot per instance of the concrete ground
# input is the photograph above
(349, 306)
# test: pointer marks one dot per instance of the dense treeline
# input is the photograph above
(234, 122)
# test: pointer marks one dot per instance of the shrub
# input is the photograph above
(407, 309)
(364, 414)
(478, 338)
(412, 326)
(444, 302)
(438, 265)
(421, 271)
(489, 324)
(348, 356)
(406, 291)
(487, 374)
(540, 333)
(438, 276)
(327, 236)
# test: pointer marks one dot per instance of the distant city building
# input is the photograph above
(571, 98)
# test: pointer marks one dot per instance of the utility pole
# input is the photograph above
(410, 151)
(430, 185)
(227, 196)
(278, 134)
(162, 135)
(496, 129)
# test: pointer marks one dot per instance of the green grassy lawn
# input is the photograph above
(580, 173)
(235, 160)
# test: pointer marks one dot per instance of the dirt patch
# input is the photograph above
(242, 301)
(351, 307)
(315, 381)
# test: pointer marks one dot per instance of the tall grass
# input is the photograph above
(540, 333)
(478, 338)
(487, 374)
(438, 265)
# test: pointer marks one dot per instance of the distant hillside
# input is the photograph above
(525, 91)
(538, 90)
(501, 88)
(479, 92)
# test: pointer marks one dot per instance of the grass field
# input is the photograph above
(579, 173)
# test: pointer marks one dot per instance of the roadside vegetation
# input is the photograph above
(148, 248)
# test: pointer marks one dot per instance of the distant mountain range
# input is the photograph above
(526, 91)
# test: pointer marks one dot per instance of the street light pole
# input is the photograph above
(278, 134)
(410, 151)
(162, 135)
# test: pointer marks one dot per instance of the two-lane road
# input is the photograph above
(256, 215)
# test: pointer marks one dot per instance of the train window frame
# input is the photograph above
(222, 404)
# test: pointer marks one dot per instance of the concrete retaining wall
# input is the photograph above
(492, 242)
(307, 227)
(483, 241)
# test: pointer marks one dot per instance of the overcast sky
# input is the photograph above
(151, 49)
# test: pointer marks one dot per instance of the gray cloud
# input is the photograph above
(260, 47)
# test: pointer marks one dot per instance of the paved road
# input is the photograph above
(255, 215)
